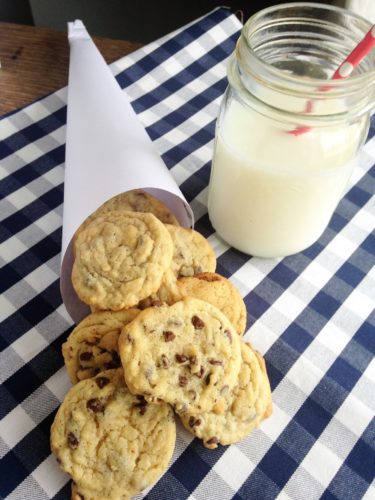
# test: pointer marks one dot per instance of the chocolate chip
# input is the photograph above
(141, 399)
(116, 358)
(95, 405)
(213, 440)
(164, 361)
(157, 303)
(181, 358)
(193, 360)
(182, 380)
(168, 336)
(193, 422)
(101, 382)
(85, 356)
(229, 335)
(215, 362)
(72, 441)
(197, 322)
(110, 365)
(207, 379)
(115, 362)
(141, 405)
(200, 373)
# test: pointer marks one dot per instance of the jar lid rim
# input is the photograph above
(339, 84)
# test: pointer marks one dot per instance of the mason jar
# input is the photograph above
(287, 136)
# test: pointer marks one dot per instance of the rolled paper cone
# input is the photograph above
(108, 152)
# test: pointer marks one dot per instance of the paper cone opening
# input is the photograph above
(108, 152)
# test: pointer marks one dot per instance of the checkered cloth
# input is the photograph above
(310, 314)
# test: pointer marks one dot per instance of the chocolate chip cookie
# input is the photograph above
(168, 293)
(113, 444)
(184, 354)
(93, 344)
(219, 292)
(240, 410)
(135, 200)
(120, 259)
(192, 253)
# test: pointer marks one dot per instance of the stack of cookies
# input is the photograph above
(164, 339)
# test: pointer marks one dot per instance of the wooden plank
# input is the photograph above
(35, 62)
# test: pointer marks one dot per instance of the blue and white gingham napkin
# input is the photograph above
(311, 315)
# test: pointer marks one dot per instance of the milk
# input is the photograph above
(271, 193)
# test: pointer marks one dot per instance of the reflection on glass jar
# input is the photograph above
(272, 192)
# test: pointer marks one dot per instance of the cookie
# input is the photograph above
(183, 354)
(219, 292)
(77, 496)
(240, 410)
(192, 253)
(113, 444)
(168, 293)
(120, 259)
(135, 200)
(93, 344)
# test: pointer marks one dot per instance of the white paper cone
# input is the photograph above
(107, 152)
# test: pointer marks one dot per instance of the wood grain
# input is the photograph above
(35, 62)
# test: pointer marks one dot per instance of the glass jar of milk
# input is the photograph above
(287, 137)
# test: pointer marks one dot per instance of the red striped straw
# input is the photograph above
(344, 70)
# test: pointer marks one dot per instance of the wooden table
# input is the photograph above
(35, 62)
